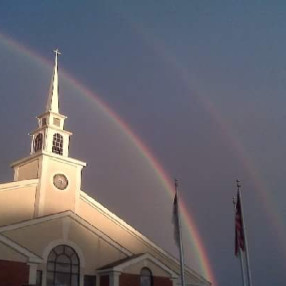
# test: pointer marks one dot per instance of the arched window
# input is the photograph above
(38, 142)
(63, 267)
(57, 144)
(146, 277)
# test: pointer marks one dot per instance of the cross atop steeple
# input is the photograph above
(53, 99)
(57, 52)
(58, 175)
(50, 135)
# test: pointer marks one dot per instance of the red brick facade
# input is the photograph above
(129, 280)
(134, 280)
(104, 280)
(162, 281)
(13, 273)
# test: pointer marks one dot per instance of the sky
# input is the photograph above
(201, 84)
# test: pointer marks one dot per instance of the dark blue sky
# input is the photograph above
(202, 83)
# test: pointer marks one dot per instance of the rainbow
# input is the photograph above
(275, 218)
(146, 153)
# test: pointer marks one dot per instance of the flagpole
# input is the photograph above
(245, 236)
(240, 254)
(180, 237)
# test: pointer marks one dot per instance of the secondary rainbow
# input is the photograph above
(138, 143)
(244, 157)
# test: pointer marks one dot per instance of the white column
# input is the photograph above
(174, 281)
(33, 273)
(81, 277)
(114, 278)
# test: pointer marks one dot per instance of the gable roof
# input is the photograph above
(119, 262)
(64, 214)
(158, 251)
(10, 186)
(122, 247)
(120, 265)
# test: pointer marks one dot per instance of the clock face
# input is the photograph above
(60, 181)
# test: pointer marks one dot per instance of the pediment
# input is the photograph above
(134, 264)
(40, 235)
(95, 247)
(13, 251)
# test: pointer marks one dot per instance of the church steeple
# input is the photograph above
(58, 175)
(50, 135)
(53, 99)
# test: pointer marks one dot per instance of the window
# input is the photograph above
(63, 267)
(44, 121)
(146, 277)
(38, 142)
(57, 144)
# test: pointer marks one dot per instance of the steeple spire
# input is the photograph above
(53, 99)
(50, 136)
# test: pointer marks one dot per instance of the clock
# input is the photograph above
(60, 181)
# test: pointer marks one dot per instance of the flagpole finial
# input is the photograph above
(176, 183)
(238, 185)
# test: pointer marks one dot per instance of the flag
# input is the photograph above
(175, 220)
(239, 230)
(177, 232)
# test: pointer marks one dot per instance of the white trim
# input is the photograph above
(33, 273)
(118, 221)
(121, 223)
(70, 243)
(56, 243)
(143, 257)
(48, 154)
(52, 113)
(149, 257)
(52, 127)
(18, 184)
(114, 278)
(34, 221)
(76, 218)
(159, 253)
(32, 258)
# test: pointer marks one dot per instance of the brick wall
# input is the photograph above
(134, 280)
(13, 273)
(104, 280)
(129, 280)
(162, 281)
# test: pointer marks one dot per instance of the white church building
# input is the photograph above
(53, 234)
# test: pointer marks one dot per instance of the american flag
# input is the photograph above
(239, 232)
(176, 217)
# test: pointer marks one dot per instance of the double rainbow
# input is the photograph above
(150, 159)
